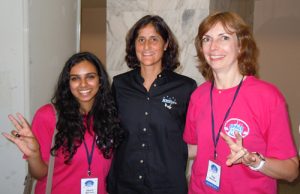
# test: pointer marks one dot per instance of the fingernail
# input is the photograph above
(18, 136)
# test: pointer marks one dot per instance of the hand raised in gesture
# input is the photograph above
(23, 137)
(238, 154)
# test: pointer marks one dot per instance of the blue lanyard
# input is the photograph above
(227, 113)
(90, 157)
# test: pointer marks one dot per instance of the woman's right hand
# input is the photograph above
(23, 137)
(29, 145)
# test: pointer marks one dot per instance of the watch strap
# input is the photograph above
(262, 162)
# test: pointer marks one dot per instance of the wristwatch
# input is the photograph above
(262, 162)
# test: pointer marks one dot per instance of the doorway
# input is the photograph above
(93, 28)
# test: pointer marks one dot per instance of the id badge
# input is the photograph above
(213, 175)
(89, 186)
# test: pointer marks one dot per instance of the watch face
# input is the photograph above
(260, 156)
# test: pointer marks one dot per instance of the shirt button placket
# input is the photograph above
(141, 161)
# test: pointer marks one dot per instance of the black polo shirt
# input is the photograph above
(153, 156)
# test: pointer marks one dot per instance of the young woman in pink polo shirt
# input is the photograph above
(87, 130)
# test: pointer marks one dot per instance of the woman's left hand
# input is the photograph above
(238, 154)
(274, 168)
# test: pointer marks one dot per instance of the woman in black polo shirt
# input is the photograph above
(152, 103)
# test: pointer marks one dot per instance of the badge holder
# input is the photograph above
(89, 185)
(213, 176)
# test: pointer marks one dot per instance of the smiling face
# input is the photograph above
(84, 83)
(221, 49)
(149, 47)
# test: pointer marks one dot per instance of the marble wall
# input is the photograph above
(182, 16)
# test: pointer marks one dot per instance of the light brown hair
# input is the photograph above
(247, 58)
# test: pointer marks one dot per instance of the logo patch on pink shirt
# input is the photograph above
(236, 125)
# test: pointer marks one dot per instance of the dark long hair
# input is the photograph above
(70, 125)
(247, 58)
(170, 57)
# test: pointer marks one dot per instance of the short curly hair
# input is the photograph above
(170, 57)
(247, 58)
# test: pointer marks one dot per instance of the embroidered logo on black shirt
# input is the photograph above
(169, 101)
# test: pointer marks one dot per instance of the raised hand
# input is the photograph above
(238, 153)
(23, 137)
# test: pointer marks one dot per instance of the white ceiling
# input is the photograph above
(93, 3)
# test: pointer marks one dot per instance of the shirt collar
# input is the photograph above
(164, 74)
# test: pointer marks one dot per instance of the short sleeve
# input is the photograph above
(278, 135)
(43, 126)
(189, 135)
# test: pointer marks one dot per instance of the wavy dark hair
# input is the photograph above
(70, 125)
(170, 57)
(247, 58)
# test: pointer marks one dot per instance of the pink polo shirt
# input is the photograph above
(259, 114)
(67, 178)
